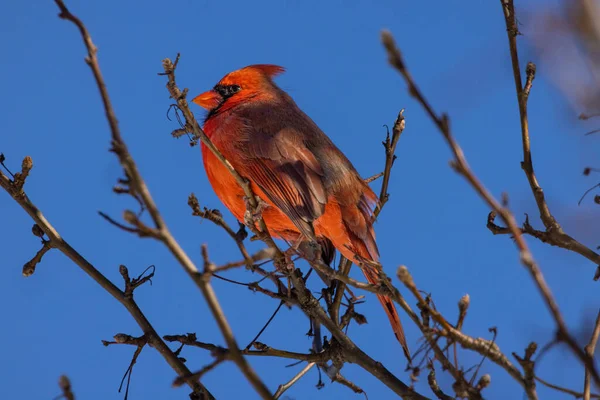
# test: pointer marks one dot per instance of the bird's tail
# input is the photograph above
(390, 310)
(365, 249)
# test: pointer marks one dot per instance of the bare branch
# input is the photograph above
(29, 267)
(461, 166)
(589, 350)
(285, 386)
(577, 395)
(554, 232)
(435, 388)
(65, 386)
(61, 245)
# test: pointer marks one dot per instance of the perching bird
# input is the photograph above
(311, 189)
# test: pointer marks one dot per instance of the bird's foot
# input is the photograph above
(251, 217)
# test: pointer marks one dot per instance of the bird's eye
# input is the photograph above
(227, 90)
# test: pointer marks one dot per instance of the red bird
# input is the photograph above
(310, 188)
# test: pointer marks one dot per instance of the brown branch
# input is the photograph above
(63, 246)
(461, 166)
(199, 374)
(65, 386)
(555, 234)
(138, 188)
(589, 350)
(528, 366)
(390, 156)
(339, 378)
(482, 346)
(373, 178)
(285, 386)
(29, 267)
(435, 388)
(20, 177)
(262, 350)
(577, 395)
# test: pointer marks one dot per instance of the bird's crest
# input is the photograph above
(268, 69)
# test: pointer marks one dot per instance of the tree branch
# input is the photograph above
(555, 235)
(61, 245)
(461, 166)
(139, 189)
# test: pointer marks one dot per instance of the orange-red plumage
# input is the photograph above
(311, 189)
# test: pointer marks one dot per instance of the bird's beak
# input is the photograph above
(208, 100)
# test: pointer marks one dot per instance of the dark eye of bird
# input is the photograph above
(227, 90)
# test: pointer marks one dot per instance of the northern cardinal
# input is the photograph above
(310, 188)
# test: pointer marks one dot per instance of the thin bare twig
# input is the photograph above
(29, 267)
(285, 386)
(63, 246)
(435, 388)
(461, 166)
(589, 350)
(138, 188)
(389, 144)
(65, 386)
(554, 232)
(577, 395)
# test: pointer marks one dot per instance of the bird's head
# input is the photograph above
(239, 86)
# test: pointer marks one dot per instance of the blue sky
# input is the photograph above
(337, 73)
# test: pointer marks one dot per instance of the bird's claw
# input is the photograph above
(251, 217)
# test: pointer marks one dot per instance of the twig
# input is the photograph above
(435, 388)
(461, 166)
(138, 187)
(129, 370)
(202, 280)
(374, 177)
(528, 366)
(132, 284)
(281, 303)
(577, 395)
(589, 350)
(262, 350)
(63, 246)
(29, 267)
(199, 374)
(390, 156)
(339, 378)
(555, 233)
(285, 386)
(482, 346)
(65, 386)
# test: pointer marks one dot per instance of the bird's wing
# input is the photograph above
(287, 172)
